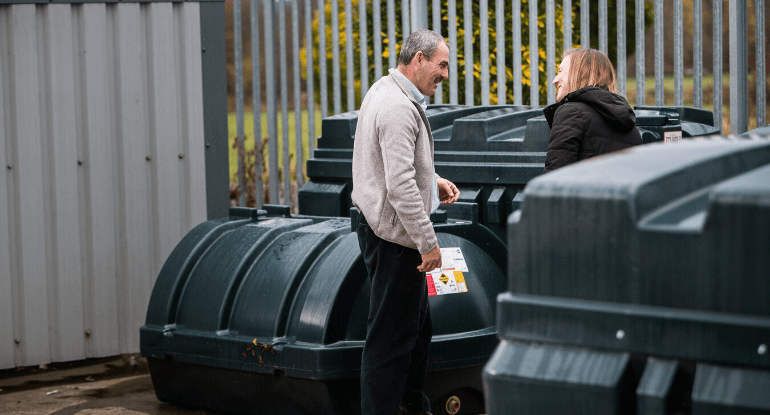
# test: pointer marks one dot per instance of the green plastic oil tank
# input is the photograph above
(265, 313)
(640, 284)
(489, 152)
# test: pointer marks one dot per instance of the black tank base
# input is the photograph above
(197, 386)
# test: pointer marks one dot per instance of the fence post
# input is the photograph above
(697, 46)
(759, 30)
(214, 72)
(419, 14)
(739, 100)
(484, 55)
(349, 69)
(717, 33)
(534, 65)
(238, 46)
(256, 81)
(272, 120)
(468, 51)
(640, 72)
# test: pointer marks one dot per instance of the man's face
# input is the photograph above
(561, 79)
(430, 73)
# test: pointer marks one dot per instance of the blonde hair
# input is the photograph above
(590, 67)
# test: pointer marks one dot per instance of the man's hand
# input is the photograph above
(430, 260)
(447, 191)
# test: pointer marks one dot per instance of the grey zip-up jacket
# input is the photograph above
(393, 166)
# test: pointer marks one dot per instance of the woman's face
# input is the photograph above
(561, 79)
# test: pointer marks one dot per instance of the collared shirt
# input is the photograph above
(420, 99)
(418, 96)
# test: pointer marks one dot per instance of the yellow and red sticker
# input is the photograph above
(446, 281)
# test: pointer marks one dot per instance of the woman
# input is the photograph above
(590, 117)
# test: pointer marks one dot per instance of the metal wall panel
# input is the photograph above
(101, 135)
(63, 249)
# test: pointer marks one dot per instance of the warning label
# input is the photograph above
(671, 136)
(446, 282)
(448, 279)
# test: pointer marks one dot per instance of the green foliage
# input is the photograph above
(459, 48)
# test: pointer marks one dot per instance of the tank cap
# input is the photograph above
(438, 216)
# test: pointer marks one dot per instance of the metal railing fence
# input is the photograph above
(475, 57)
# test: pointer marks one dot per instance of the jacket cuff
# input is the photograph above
(428, 245)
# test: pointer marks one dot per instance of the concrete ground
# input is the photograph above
(118, 386)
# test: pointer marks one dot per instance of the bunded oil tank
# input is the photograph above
(640, 284)
(265, 313)
(489, 152)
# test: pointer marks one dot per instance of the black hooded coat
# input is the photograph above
(586, 123)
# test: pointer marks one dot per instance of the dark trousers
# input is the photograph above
(395, 358)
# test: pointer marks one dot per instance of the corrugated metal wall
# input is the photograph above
(101, 137)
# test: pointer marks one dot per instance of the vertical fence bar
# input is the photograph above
(438, 96)
(640, 71)
(517, 69)
(309, 75)
(603, 26)
(585, 24)
(272, 115)
(284, 102)
(256, 102)
(697, 53)
(336, 81)
(364, 48)
(323, 88)
(484, 55)
(238, 46)
(238, 49)
(468, 26)
(299, 160)
(739, 104)
(550, 49)
(349, 69)
(453, 73)
(659, 56)
(717, 68)
(621, 65)
(377, 29)
(567, 7)
(759, 32)
(419, 14)
(534, 64)
(500, 33)
(391, 35)
(405, 30)
(678, 54)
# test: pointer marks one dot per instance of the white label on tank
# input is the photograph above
(452, 258)
(671, 136)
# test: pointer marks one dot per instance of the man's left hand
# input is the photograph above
(447, 191)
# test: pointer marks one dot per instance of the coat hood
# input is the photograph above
(613, 108)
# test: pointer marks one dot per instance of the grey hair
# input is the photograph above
(423, 40)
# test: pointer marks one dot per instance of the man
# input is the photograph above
(395, 187)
